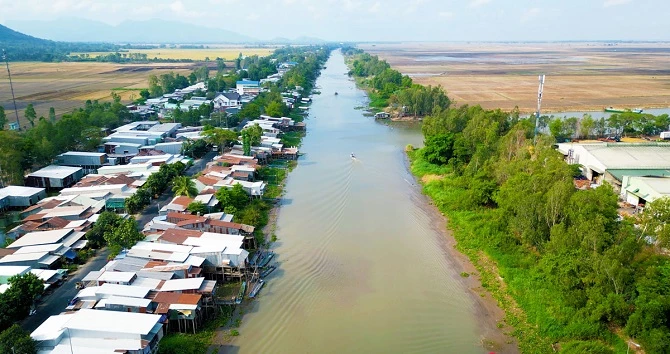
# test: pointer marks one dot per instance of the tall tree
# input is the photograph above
(30, 114)
(3, 118)
(52, 115)
(15, 340)
(220, 137)
(184, 185)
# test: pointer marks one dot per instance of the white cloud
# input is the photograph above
(375, 7)
(609, 3)
(478, 3)
(530, 13)
(253, 16)
(445, 14)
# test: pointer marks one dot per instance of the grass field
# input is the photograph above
(227, 53)
(580, 76)
(66, 86)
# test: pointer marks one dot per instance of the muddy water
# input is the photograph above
(363, 265)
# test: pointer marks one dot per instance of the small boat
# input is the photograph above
(353, 156)
(621, 110)
(268, 270)
(266, 260)
(240, 295)
(256, 289)
(255, 258)
(336, 93)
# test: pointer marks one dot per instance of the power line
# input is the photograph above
(11, 87)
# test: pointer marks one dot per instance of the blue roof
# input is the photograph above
(248, 82)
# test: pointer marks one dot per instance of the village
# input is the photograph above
(193, 255)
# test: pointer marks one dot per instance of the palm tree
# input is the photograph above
(183, 185)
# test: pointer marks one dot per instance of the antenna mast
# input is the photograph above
(539, 104)
(11, 87)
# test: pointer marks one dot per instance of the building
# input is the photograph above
(89, 161)
(639, 191)
(248, 87)
(54, 177)
(96, 331)
(20, 197)
(227, 99)
(612, 161)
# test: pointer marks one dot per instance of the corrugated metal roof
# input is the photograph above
(619, 173)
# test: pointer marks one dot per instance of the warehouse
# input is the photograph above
(89, 161)
(54, 177)
(20, 197)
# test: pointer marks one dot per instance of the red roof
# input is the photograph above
(56, 222)
(182, 200)
(34, 217)
(178, 236)
(208, 181)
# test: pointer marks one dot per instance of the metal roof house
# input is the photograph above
(89, 161)
(54, 177)
(638, 190)
(20, 197)
(99, 331)
(248, 86)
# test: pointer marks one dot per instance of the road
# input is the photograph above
(55, 303)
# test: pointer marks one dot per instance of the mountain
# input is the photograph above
(147, 31)
(8, 35)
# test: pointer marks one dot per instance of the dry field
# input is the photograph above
(227, 53)
(66, 86)
(580, 76)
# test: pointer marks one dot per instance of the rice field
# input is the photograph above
(579, 76)
(227, 53)
(66, 86)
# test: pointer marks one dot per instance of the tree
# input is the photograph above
(106, 221)
(145, 94)
(52, 115)
(220, 65)
(220, 137)
(655, 219)
(184, 185)
(276, 109)
(30, 114)
(15, 340)
(198, 208)
(235, 197)
(16, 301)
(124, 236)
(3, 118)
(439, 148)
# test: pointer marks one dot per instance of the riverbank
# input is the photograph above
(490, 315)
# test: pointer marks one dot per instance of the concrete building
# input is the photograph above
(20, 197)
(248, 87)
(54, 177)
(89, 161)
(639, 191)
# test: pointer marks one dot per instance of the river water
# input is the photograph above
(362, 261)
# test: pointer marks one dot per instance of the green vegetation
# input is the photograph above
(16, 340)
(615, 126)
(154, 186)
(16, 301)
(292, 138)
(181, 343)
(389, 87)
(572, 271)
(184, 185)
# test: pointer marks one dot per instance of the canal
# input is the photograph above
(363, 262)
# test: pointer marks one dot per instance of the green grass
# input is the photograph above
(182, 343)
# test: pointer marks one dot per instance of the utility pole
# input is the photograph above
(539, 105)
(11, 87)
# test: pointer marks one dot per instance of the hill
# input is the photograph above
(8, 35)
(146, 31)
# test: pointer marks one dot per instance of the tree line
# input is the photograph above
(615, 126)
(389, 87)
(579, 271)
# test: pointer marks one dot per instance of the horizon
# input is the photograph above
(370, 20)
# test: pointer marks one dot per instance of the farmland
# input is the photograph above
(227, 53)
(580, 76)
(66, 86)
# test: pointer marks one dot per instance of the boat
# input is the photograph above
(240, 294)
(268, 270)
(255, 258)
(256, 288)
(621, 110)
(335, 93)
(266, 260)
(353, 156)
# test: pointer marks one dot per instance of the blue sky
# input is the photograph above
(380, 20)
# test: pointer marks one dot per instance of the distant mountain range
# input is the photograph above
(148, 32)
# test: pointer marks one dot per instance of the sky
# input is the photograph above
(379, 20)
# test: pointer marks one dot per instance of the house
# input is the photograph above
(54, 177)
(89, 161)
(382, 115)
(248, 87)
(20, 197)
(226, 100)
(95, 331)
(68, 237)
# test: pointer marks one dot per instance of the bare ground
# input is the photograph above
(580, 76)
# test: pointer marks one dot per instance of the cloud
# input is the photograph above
(375, 7)
(529, 14)
(479, 3)
(445, 14)
(609, 3)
